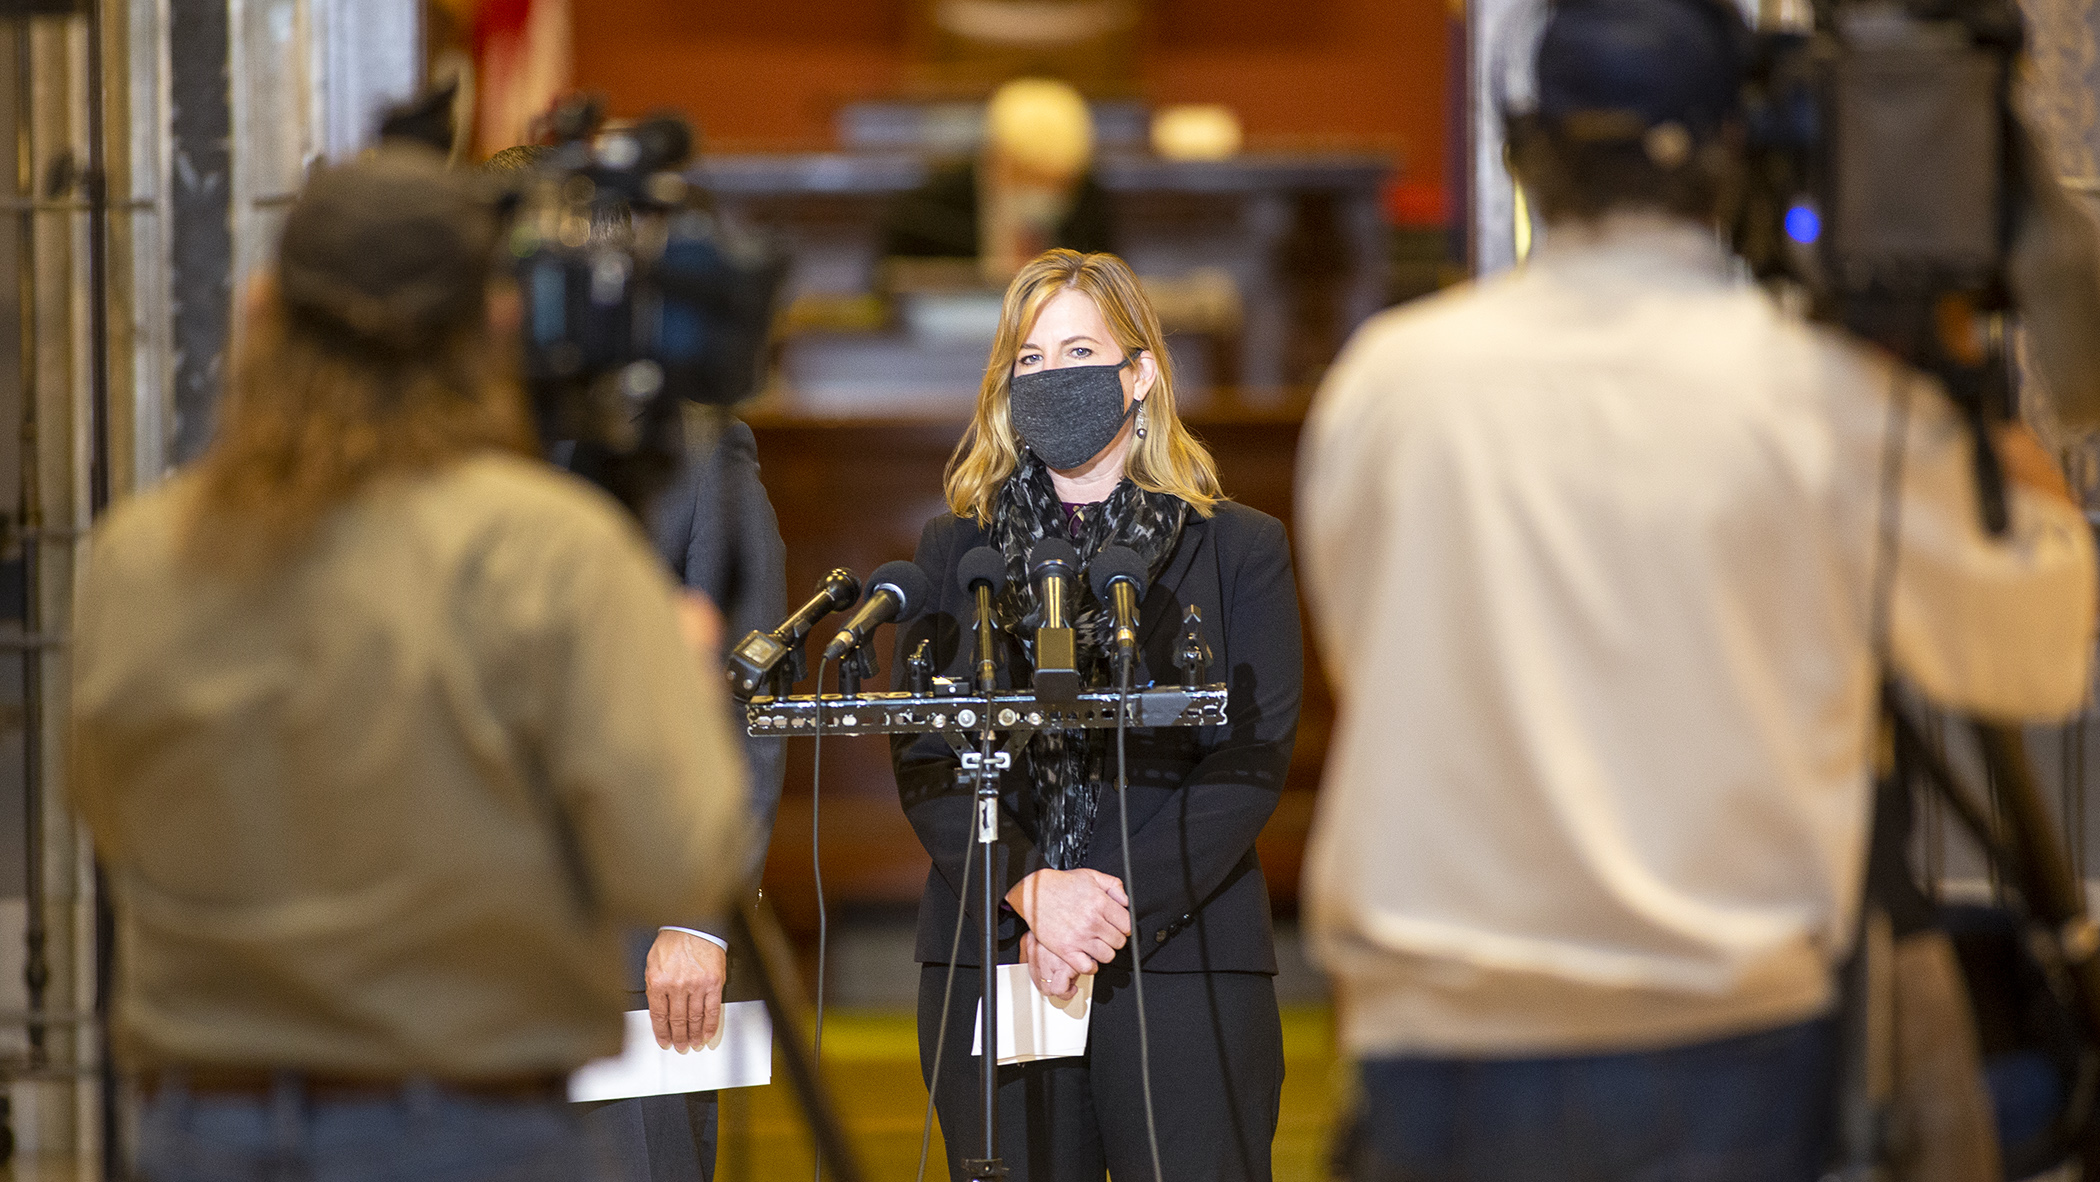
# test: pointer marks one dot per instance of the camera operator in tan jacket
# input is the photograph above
(386, 730)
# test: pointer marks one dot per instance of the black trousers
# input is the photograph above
(1217, 1079)
(656, 1138)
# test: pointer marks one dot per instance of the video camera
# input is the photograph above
(1887, 177)
(637, 298)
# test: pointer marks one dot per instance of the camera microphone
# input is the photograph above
(1052, 565)
(1118, 576)
(897, 592)
(755, 657)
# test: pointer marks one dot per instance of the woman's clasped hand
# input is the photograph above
(1077, 919)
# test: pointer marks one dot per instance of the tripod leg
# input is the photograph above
(2051, 885)
(757, 931)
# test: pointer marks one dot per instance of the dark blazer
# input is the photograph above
(714, 527)
(1198, 796)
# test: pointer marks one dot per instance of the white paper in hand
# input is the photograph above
(741, 1056)
(1032, 1024)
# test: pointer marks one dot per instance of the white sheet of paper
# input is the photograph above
(1034, 1025)
(741, 1056)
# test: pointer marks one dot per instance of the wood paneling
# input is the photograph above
(858, 23)
(857, 495)
(1229, 24)
(1300, 72)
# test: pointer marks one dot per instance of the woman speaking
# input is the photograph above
(1075, 437)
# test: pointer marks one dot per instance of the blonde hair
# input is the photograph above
(312, 417)
(1167, 460)
(1042, 123)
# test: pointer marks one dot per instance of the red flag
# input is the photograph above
(523, 52)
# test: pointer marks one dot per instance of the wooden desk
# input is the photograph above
(1301, 235)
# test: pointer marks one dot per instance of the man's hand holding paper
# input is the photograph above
(684, 980)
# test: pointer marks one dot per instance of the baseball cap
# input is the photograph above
(1658, 61)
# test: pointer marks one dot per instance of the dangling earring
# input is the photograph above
(1141, 419)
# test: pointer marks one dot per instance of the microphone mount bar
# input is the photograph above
(952, 708)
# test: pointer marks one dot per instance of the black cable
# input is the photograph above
(816, 866)
(2075, 780)
(940, 1040)
(1137, 973)
(1856, 1150)
(1889, 518)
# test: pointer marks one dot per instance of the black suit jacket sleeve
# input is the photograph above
(1203, 835)
(716, 529)
(941, 813)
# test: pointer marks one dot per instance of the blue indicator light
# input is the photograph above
(1803, 225)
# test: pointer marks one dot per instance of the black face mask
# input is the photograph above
(1067, 416)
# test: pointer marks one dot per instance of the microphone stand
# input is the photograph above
(988, 727)
(980, 772)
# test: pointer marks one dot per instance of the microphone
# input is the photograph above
(1118, 576)
(982, 574)
(756, 656)
(1052, 565)
(897, 591)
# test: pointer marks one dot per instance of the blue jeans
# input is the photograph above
(1756, 1108)
(422, 1132)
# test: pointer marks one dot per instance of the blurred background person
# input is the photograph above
(713, 525)
(386, 730)
(1076, 437)
(1030, 187)
(1596, 551)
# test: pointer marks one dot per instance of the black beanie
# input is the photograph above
(391, 249)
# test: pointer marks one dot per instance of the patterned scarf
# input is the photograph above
(1071, 768)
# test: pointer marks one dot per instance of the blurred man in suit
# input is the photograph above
(714, 527)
